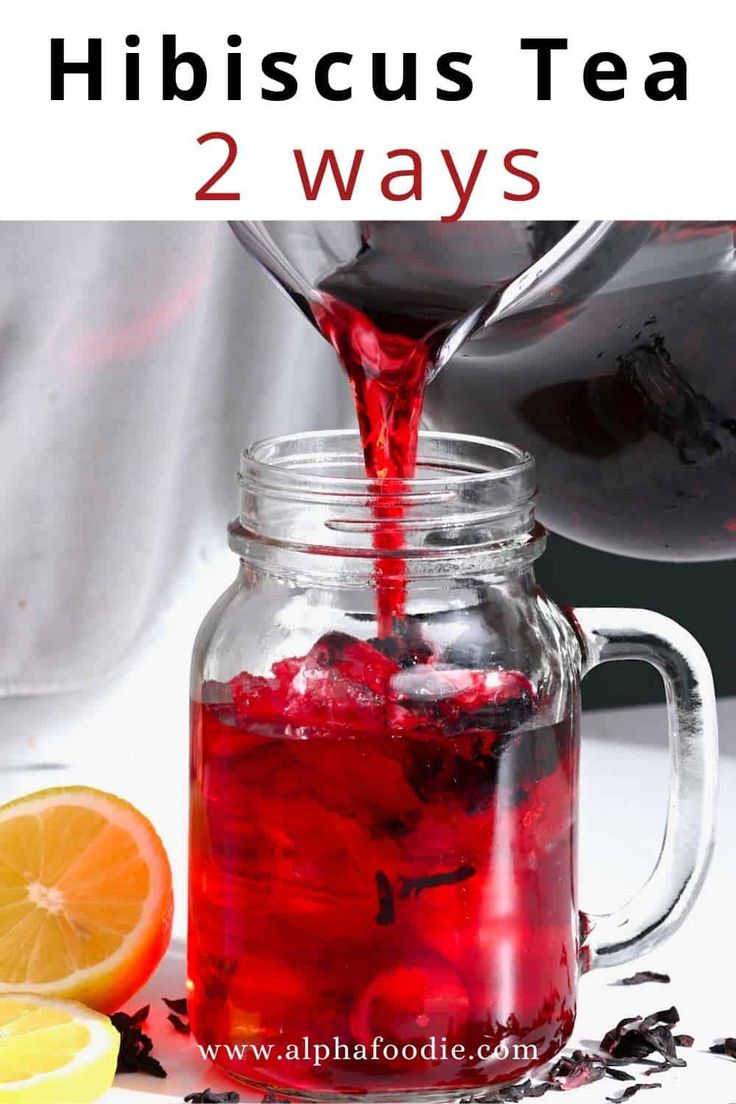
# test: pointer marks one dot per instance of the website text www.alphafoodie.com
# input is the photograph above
(379, 1049)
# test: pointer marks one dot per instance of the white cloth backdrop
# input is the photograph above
(136, 360)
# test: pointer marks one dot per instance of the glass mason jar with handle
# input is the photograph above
(383, 816)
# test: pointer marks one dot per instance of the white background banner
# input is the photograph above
(630, 157)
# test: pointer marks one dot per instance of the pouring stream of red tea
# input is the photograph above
(388, 370)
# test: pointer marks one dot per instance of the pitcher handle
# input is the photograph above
(664, 901)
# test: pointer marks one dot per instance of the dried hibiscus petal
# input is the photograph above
(643, 977)
(637, 1037)
(617, 1074)
(412, 887)
(405, 647)
(209, 1096)
(577, 1069)
(384, 891)
(178, 1023)
(135, 1046)
(632, 1091)
(727, 1047)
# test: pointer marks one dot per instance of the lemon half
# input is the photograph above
(53, 1051)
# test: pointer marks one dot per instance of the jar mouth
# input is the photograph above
(472, 501)
(331, 462)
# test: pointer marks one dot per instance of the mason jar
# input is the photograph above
(384, 810)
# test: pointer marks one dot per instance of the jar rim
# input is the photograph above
(287, 455)
(307, 494)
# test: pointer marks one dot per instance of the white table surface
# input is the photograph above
(108, 739)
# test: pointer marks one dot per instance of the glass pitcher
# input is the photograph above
(627, 401)
(383, 826)
(604, 348)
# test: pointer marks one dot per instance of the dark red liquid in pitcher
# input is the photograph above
(382, 851)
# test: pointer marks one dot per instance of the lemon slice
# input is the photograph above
(85, 897)
(54, 1052)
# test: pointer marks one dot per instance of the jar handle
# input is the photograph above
(665, 899)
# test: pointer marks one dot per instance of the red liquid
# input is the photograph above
(371, 861)
(388, 372)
